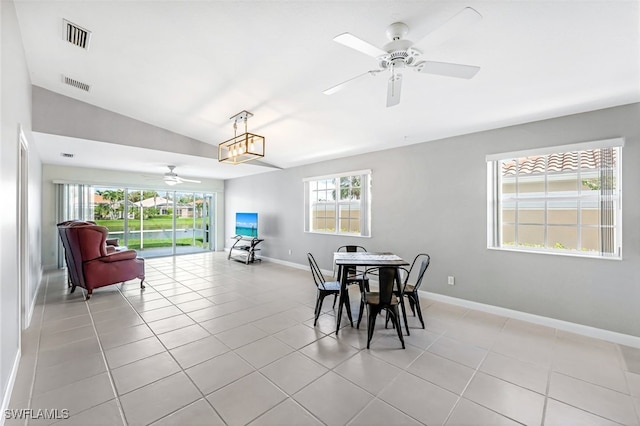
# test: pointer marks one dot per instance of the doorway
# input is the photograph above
(23, 231)
(156, 222)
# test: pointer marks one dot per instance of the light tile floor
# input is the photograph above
(216, 342)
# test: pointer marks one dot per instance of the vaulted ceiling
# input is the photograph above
(187, 66)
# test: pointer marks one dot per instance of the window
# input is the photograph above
(338, 204)
(562, 200)
(152, 222)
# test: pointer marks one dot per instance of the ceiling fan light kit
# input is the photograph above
(241, 148)
(399, 54)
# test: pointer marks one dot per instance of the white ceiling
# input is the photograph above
(187, 66)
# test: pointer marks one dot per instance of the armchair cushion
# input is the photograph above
(119, 255)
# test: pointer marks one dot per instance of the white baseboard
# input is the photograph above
(47, 268)
(6, 398)
(585, 330)
(35, 298)
(285, 263)
(327, 273)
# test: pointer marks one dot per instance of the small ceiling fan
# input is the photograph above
(172, 178)
(399, 54)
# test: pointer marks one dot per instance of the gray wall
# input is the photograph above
(61, 115)
(432, 198)
(15, 111)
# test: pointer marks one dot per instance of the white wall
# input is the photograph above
(15, 111)
(51, 173)
(432, 197)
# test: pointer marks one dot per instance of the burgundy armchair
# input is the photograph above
(91, 265)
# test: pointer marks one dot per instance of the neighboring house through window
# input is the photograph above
(338, 204)
(562, 200)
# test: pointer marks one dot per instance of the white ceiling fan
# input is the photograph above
(399, 54)
(171, 178)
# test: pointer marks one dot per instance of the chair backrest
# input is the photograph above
(318, 277)
(423, 260)
(351, 249)
(351, 270)
(386, 283)
(76, 249)
(74, 269)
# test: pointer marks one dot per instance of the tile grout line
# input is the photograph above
(625, 370)
(35, 365)
(494, 344)
(475, 373)
(549, 374)
(256, 370)
(104, 359)
(182, 370)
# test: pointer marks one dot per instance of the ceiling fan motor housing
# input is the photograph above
(397, 30)
(399, 58)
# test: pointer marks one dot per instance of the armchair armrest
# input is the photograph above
(119, 255)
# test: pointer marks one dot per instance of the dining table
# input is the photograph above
(345, 260)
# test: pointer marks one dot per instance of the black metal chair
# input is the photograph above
(383, 299)
(325, 288)
(411, 290)
(354, 276)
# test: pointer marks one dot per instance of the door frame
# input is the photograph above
(24, 260)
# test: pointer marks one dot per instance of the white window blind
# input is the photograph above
(562, 200)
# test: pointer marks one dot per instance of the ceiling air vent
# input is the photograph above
(66, 155)
(75, 83)
(75, 34)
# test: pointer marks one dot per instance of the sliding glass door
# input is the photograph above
(150, 228)
(107, 209)
(152, 222)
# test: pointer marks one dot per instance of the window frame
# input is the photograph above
(364, 203)
(495, 199)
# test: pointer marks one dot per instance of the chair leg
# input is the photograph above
(73, 288)
(404, 315)
(417, 303)
(335, 297)
(315, 310)
(373, 313)
(318, 308)
(395, 318)
(89, 292)
(141, 284)
(348, 306)
(361, 311)
(412, 304)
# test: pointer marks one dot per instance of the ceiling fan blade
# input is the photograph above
(338, 87)
(447, 69)
(180, 180)
(393, 90)
(465, 18)
(349, 40)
